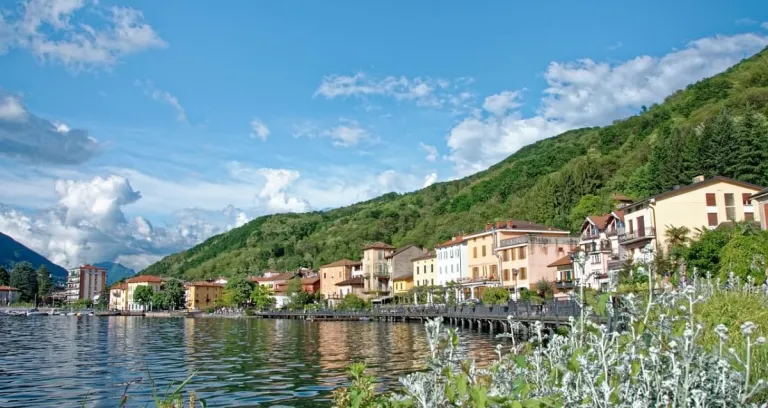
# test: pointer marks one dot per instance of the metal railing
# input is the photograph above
(637, 234)
(538, 240)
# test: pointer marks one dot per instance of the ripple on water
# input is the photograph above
(235, 362)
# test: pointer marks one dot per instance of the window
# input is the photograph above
(513, 254)
(522, 252)
(745, 199)
(493, 271)
(432, 268)
(417, 270)
(483, 250)
(475, 273)
(712, 219)
(523, 274)
(506, 274)
(433, 282)
(631, 226)
(324, 276)
(474, 252)
(711, 201)
(451, 268)
(730, 207)
(506, 255)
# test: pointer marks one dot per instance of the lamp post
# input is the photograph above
(515, 271)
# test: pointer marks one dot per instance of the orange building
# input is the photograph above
(334, 273)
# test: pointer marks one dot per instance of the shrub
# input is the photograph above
(495, 296)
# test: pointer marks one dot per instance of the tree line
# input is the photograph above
(32, 284)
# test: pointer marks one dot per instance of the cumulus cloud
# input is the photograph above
(28, 137)
(430, 179)
(259, 130)
(347, 133)
(272, 196)
(588, 93)
(502, 102)
(55, 31)
(431, 151)
(424, 91)
(164, 97)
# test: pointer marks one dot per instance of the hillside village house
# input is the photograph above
(483, 261)
(276, 283)
(402, 283)
(310, 284)
(451, 262)
(376, 269)
(85, 282)
(333, 273)
(563, 276)
(399, 263)
(202, 295)
(599, 249)
(8, 295)
(423, 269)
(525, 259)
(703, 204)
(760, 205)
(143, 280)
(118, 297)
(353, 285)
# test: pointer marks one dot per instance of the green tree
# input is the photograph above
(495, 296)
(261, 298)
(5, 277)
(703, 254)
(589, 204)
(173, 289)
(143, 295)
(745, 255)
(750, 143)
(352, 302)
(237, 291)
(545, 288)
(677, 239)
(103, 301)
(43, 283)
(24, 278)
(159, 300)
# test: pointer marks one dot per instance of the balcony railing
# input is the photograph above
(590, 235)
(647, 233)
(565, 284)
(538, 240)
(614, 232)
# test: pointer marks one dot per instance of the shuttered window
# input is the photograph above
(712, 219)
(711, 201)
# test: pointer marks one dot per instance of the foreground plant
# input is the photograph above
(655, 357)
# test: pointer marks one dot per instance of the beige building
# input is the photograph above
(118, 297)
(760, 204)
(334, 273)
(375, 268)
(202, 295)
(424, 270)
(142, 280)
(703, 204)
(353, 285)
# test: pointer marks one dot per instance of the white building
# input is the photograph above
(599, 245)
(451, 260)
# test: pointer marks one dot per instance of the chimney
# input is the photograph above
(698, 179)
(499, 224)
(488, 226)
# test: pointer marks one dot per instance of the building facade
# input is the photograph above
(118, 297)
(451, 262)
(202, 295)
(354, 286)
(423, 270)
(85, 282)
(402, 284)
(760, 205)
(701, 205)
(333, 273)
(8, 295)
(599, 249)
(525, 259)
(563, 276)
(376, 269)
(142, 280)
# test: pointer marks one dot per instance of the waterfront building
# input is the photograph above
(354, 285)
(451, 260)
(399, 264)
(599, 248)
(423, 270)
(525, 259)
(142, 280)
(333, 273)
(759, 203)
(85, 282)
(310, 285)
(8, 295)
(484, 261)
(376, 269)
(202, 295)
(700, 205)
(563, 276)
(118, 296)
(277, 283)
(402, 283)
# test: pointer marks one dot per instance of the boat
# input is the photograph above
(35, 312)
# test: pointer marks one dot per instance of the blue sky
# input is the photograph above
(177, 120)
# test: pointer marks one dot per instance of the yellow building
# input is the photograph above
(703, 204)
(142, 280)
(424, 273)
(202, 295)
(402, 284)
(118, 297)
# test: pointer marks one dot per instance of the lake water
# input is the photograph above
(62, 361)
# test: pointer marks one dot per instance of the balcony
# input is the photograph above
(590, 235)
(614, 232)
(565, 284)
(637, 236)
(538, 240)
(381, 274)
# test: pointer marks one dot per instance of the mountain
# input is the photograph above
(716, 126)
(12, 251)
(115, 271)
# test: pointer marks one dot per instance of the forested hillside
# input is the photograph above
(716, 126)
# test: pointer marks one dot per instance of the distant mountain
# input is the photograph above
(115, 271)
(12, 251)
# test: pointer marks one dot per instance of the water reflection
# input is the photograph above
(235, 362)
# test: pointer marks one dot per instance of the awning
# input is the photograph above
(382, 299)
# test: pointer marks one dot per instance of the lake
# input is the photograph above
(236, 362)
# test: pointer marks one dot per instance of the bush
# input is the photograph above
(495, 296)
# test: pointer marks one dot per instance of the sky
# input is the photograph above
(132, 130)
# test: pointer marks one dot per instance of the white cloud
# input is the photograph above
(431, 151)
(163, 96)
(427, 92)
(502, 102)
(12, 110)
(764, 25)
(588, 93)
(430, 179)
(346, 135)
(259, 130)
(49, 31)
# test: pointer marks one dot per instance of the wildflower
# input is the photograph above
(721, 331)
(748, 327)
(761, 340)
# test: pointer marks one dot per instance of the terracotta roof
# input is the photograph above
(378, 245)
(206, 284)
(622, 198)
(353, 281)
(119, 286)
(600, 221)
(452, 241)
(401, 250)
(89, 266)
(310, 281)
(618, 214)
(566, 260)
(343, 262)
(759, 194)
(9, 288)
(428, 255)
(700, 184)
(145, 279)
